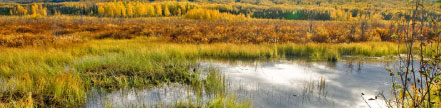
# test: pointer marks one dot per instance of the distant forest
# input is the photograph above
(264, 9)
(216, 1)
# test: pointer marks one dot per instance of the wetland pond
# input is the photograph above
(275, 84)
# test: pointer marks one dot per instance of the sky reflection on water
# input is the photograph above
(280, 84)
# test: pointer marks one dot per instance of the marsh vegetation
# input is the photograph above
(217, 54)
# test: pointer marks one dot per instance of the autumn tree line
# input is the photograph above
(105, 9)
(156, 9)
(35, 10)
(143, 9)
(256, 2)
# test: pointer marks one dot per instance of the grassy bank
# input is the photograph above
(48, 76)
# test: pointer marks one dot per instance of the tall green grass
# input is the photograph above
(335, 51)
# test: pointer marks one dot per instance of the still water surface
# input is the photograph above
(275, 84)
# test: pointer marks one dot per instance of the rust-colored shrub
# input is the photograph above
(63, 32)
(321, 36)
(26, 40)
(26, 30)
(115, 35)
(383, 33)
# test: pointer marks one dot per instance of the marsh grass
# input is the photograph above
(61, 76)
(214, 87)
